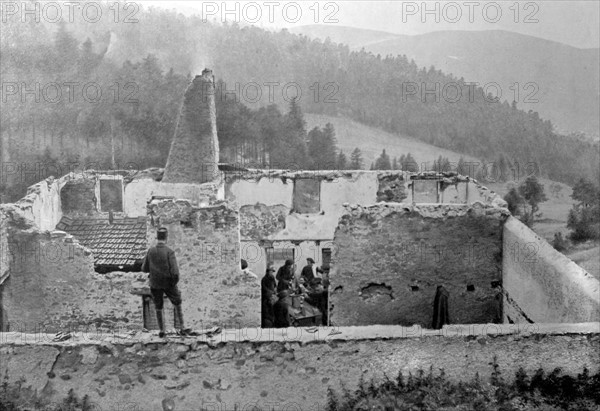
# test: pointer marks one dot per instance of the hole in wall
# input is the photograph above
(186, 224)
(470, 287)
(414, 288)
(496, 284)
(375, 290)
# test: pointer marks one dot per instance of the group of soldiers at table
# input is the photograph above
(278, 291)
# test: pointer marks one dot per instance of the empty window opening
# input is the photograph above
(414, 288)
(470, 287)
(425, 191)
(276, 256)
(307, 196)
(111, 195)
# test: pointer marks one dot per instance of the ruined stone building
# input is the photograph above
(72, 246)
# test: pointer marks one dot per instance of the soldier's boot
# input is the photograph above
(179, 318)
(161, 323)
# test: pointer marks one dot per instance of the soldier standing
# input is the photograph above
(161, 263)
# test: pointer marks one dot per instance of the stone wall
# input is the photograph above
(42, 204)
(545, 284)
(51, 284)
(266, 198)
(194, 153)
(405, 253)
(266, 204)
(283, 370)
(140, 191)
(206, 242)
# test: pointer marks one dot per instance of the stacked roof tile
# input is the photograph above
(120, 243)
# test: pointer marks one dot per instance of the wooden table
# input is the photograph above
(306, 316)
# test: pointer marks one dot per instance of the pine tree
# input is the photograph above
(441, 165)
(291, 152)
(408, 163)
(322, 148)
(395, 164)
(501, 168)
(315, 142)
(356, 160)
(383, 162)
(342, 161)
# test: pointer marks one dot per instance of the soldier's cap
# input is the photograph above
(161, 233)
(310, 260)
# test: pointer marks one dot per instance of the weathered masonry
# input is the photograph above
(280, 369)
(66, 261)
(71, 249)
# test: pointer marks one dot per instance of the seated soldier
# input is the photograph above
(303, 287)
(307, 271)
(318, 297)
(281, 310)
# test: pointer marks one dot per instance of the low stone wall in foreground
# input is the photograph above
(289, 369)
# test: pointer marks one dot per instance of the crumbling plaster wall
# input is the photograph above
(275, 191)
(81, 197)
(206, 242)
(42, 203)
(266, 198)
(382, 251)
(455, 190)
(72, 194)
(52, 284)
(544, 283)
(140, 191)
(281, 373)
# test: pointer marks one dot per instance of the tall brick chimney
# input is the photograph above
(194, 153)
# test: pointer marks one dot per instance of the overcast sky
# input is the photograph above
(571, 22)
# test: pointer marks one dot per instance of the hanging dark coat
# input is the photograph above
(267, 295)
(440, 308)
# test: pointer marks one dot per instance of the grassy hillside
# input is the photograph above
(371, 141)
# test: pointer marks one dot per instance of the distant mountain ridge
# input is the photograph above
(563, 79)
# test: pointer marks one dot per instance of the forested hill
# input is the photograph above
(559, 81)
(377, 91)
